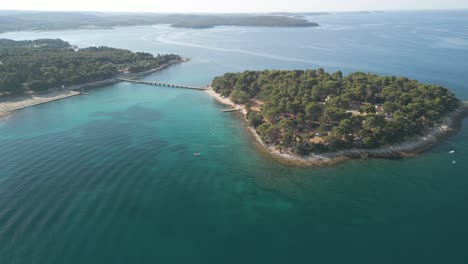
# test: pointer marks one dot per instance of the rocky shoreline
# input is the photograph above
(449, 126)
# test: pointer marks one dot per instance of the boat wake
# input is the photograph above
(164, 38)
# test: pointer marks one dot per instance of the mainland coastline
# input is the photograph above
(450, 124)
(13, 103)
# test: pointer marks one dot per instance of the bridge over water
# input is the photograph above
(164, 84)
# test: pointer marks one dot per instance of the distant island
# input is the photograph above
(39, 65)
(23, 20)
(209, 21)
(300, 13)
(316, 117)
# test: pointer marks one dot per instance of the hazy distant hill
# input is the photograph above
(299, 13)
(17, 21)
(203, 21)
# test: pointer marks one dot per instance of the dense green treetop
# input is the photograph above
(49, 63)
(314, 111)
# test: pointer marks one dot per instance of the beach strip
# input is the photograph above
(30, 100)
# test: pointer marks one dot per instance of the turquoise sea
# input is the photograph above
(111, 177)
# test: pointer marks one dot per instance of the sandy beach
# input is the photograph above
(219, 98)
(449, 126)
(24, 101)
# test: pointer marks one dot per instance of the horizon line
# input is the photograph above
(239, 12)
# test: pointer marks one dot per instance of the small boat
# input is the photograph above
(451, 152)
(197, 154)
(453, 162)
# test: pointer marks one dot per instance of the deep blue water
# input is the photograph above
(111, 177)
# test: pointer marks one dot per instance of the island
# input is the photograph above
(209, 21)
(38, 71)
(24, 20)
(311, 117)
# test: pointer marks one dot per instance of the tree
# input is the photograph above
(300, 118)
(10, 83)
(373, 122)
(313, 111)
(288, 139)
(346, 126)
(239, 97)
(269, 133)
(255, 119)
(367, 108)
(333, 114)
(300, 149)
(369, 141)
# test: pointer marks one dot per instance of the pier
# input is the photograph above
(231, 110)
(164, 84)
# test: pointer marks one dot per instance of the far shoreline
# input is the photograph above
(410, 147)
(12, 103)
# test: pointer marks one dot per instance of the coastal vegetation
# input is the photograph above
(23, 20)
(312, 111)
(43, 64)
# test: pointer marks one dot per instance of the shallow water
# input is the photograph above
(111, 177)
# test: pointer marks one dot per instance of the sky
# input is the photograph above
(229, 6)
